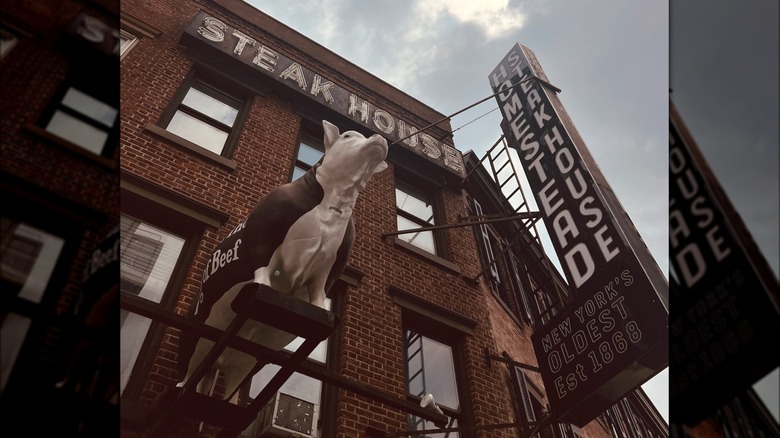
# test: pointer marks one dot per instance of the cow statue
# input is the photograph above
(296, 240)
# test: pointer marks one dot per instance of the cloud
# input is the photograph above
(493, 17)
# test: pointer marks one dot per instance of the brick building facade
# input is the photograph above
(220, 103)
(59, 180)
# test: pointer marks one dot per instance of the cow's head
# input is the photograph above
(350, 158)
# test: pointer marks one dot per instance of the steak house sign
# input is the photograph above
(612, 335)
(267, 60)
(726, 316)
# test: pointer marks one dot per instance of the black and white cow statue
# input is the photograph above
(296, 240)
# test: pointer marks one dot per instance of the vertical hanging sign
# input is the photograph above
(612, 334)
(725, 318)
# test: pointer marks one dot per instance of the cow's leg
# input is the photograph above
(236, 367)
(263, 276)
(203, 347)
(220, 317)
(317, 290)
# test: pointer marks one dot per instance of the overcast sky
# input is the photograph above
(609, 58)
(724, 81)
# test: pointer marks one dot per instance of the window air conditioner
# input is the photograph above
(287, 416)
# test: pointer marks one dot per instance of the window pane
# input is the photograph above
(198, 132)
(210, 106)
(77, 132)
(127, 41)
(309, 155)
(297, 173)
(12, 334)
(90, 107)
(27, 261)
(438, 371)
(28, 257)
(421, 239)
(413, 205)
(132, 334)
(150, 264)
(148, 256)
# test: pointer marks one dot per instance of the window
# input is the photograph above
(319, 399)
(503, 268)
(85, 116)
(299, 386)
(529, 407)
(415, 209)
(310, 150)
(148, 257)
(132, 30)
(207, 115)
(431, 368)
(28, 257)
(126, 42)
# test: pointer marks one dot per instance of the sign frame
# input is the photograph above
(611, 335)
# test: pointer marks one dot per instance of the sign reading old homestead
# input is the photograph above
(612, 334)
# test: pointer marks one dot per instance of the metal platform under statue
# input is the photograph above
(268, 306)
(265, 305)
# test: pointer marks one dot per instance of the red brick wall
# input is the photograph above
(371, 333)
(30, 75)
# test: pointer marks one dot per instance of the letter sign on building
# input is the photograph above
(216, 33)
(725, 318)
(612, 334)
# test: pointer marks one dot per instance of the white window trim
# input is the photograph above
(128, 41)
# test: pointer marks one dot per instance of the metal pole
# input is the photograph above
(529, 215)
(557, 90)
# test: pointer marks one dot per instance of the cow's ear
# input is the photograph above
(380, 167)
(367, 176)
(331, 134)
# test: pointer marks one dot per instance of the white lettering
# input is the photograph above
(213, 30)
(356, 105)
(603, 243)
(692, 268)
(318, 86)
(92, 29)
(583, 270)
(294, 72)
(220, 259)
(384, 121)
(430, 147)
(242, 41)
(265, 58)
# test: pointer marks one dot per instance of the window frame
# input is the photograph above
(97, 89)
(525, 391)
(445, 327)
(219, 88)
(411, 186)
(509, 268)
(127, 41)
(36, 206)
(149, 346)
(163, 209)
(327, 414)
(457, 355)
(313, 133)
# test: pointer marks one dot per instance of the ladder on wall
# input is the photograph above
(499, 161)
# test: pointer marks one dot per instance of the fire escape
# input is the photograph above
(523, 249)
